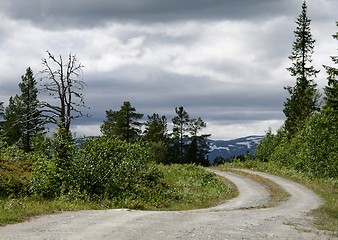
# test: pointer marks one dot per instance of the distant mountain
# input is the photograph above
(230, 148)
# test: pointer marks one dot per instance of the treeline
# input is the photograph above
(122, 165)
(185, 143)
(308, 140)
(26, 116)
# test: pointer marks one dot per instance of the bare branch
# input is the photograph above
(63, 83)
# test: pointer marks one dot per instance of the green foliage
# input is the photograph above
(108, 167)
(22, 117)
(122, 124)
(198, 148)
(41, 144)
(14, 153)
(54, 164)
(303, 100)
(15, 177)
(186, 144)
(30, 117)
(180, 187)
(156, 129)
(191, 186)
(267, 146)
(158, 151)
(102, 168)
(313, 150)
(181, 126)
(316, 145)
(12, 124)
(14, 210)
(46, 182)
(331, 90)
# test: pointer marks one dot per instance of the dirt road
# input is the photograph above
(235, 219)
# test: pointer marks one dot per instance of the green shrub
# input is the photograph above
(102, 168)
(46, 181)
(317, 141)
(15, 178)
(313, 150)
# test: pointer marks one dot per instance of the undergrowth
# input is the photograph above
(179, 187)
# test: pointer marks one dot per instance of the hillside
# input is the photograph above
(231, 148)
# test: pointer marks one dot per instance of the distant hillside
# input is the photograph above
(231, 148)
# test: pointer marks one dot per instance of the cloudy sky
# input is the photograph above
(222, 60)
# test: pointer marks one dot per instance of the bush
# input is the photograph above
(268, 145)
(317, 141)
(313, 150)
(102, 168)
(15, 178)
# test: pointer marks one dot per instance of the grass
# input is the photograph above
(14, 210)
(182, 187)
(193, 187)
(326, 216)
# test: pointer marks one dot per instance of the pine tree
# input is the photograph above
(123, 124)
(156, 129)
(331, 91)
(181, 125)
(304, 95)
(198, 147)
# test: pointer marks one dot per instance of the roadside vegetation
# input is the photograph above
(141, 164)
(326, 216)
(305, 148)
(132, 165)
(105, 174)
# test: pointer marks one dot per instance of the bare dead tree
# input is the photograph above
(62, 81)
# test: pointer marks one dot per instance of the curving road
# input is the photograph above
(238, 218)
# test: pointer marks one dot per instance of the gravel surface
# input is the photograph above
(238, 218)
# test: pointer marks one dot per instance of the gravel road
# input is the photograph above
(238, 218)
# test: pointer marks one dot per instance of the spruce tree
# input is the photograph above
(303, 100)
(331, 90)
(22, 117)
(32, 123)
(13, 125)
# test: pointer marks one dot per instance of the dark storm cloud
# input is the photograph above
(223, 60)
(211, 100)
(63, 13)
